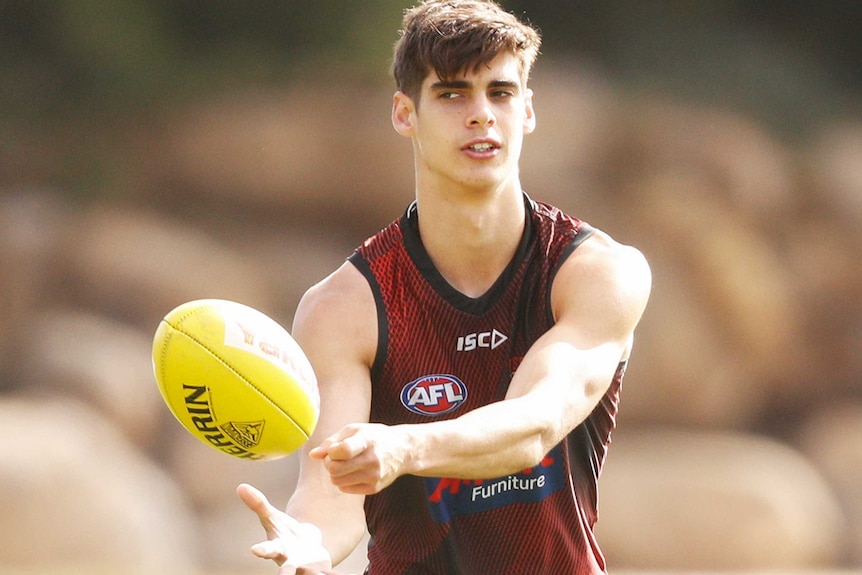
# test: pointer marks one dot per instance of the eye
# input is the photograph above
(448, 95)
(501, 94)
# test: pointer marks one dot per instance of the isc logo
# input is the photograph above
(434, 394)
(488, 339)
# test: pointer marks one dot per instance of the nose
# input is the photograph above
(481, 114)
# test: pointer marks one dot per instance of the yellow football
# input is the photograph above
(235, 379)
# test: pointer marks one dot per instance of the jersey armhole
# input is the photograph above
(361, 264)
(583, 233)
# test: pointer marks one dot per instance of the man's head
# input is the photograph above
(450, 37)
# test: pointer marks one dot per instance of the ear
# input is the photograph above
(403, 114)
(530, 116)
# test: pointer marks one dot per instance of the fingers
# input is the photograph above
(354, 459)
(274, 521)
(255, 500)
(348, 448)
(272, 549)
(346, 444)
(289, 542)
(318, 452)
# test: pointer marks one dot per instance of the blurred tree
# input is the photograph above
(787, 62)
(69, 53)
(62, 53)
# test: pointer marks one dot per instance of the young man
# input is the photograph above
(470, 355)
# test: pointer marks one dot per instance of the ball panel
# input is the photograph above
(235, 379)
(208, 398)
(259, 349)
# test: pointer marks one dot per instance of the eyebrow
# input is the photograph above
(464, 84)
(451, 84)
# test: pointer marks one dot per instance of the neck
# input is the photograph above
(471, 239)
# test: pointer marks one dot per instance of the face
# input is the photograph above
(468, 131)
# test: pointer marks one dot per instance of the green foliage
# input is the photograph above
(62, 54)
(57, 55)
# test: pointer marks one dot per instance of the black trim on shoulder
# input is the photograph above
(364, 268)
(584, 232)
(474, 306)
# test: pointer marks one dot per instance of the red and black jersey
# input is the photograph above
(440, 354)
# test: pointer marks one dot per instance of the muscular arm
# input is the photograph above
(598, 298)
(336, 325)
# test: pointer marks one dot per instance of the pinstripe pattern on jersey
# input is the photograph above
(515, 529)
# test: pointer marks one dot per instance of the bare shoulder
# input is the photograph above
(601, 254)
(338, 317)
(605, 282)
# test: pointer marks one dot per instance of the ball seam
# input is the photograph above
(231, 368)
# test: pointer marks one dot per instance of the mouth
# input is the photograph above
(482, 146)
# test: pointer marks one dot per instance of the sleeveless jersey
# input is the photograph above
(440, 354)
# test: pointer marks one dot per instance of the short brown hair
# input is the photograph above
(450, 36)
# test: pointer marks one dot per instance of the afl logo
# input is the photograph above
(434, 394)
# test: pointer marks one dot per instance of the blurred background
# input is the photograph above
(154, 152)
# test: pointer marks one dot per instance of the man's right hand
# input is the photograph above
(296, 547)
